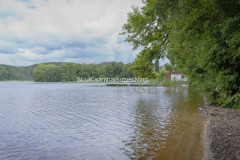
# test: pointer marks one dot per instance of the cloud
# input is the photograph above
(34, 31)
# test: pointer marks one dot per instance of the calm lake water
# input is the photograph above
(72, 121)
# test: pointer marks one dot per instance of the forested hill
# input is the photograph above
(63, 72)
(16, 73)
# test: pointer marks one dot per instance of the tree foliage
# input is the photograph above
(67, 72)
(202, 37)
(147, 30)
(41, 73)
(15, 73)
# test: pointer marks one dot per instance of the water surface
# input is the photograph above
(89, 121)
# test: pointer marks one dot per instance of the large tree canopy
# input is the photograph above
(148, 28)
(202, 37)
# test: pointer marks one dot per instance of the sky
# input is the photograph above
(80, 31)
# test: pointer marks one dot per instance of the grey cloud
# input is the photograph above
(48, 31)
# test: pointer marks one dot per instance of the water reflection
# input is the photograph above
(148, 132)
(184, 99)
(74, 121)
(184, 127)
(168, 127)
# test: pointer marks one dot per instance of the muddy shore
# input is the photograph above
(222, 134)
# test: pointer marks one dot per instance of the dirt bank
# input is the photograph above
(223, 133)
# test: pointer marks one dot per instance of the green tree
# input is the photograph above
(162, 73)
(170, 67)
(148, 28)
(68, 72)
(127, 72)
(40, 72)
(202, 37)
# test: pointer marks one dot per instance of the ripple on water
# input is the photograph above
(79, 121)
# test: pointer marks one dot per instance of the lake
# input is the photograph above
(72, 121)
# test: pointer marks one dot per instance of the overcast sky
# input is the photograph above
(81, 31)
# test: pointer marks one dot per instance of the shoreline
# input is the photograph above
(207, 154)
(221, 134)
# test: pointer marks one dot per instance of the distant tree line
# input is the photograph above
(65, 72)
(16, 73)
(70, 71)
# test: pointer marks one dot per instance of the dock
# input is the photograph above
(127, 84)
